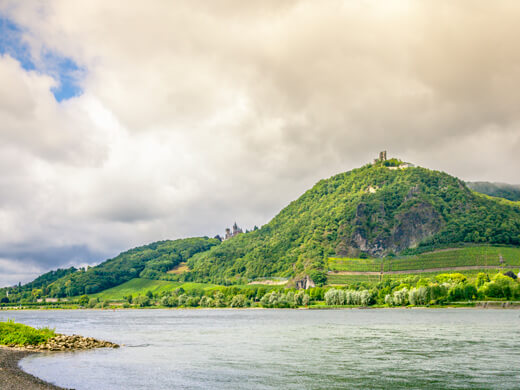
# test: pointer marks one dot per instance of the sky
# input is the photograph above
(127, 122)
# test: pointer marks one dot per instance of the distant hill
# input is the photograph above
(371, 211)
(48, 278)
(149, 261)
(502, 190)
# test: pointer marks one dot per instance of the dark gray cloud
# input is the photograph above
(22, 263)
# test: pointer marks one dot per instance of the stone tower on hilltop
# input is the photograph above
(382, 157)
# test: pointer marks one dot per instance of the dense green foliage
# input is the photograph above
(12, 333)
(47, 278)
(371, 211)
(502, 190)
(377, 218)
(396, 290)
(150, 261)
(421, 290)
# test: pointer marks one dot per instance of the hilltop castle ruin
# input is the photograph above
(382, 157)
(392, 163)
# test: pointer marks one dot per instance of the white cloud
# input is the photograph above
(194, 115)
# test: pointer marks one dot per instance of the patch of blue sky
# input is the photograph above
(64, 70)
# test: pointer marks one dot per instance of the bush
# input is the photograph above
(398, 298)
(206, 301)
(12, 333)
(419, 296)
(239, 301)
(501, 287)
(169, 301)
(83, 300)
(142, 301)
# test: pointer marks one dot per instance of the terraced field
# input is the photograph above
(472, 256)
(484, 256)
(351, 264)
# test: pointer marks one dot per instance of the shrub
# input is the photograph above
(12, 333)
(239, 301)
(169, 301)
(142, 301)
(398, 298)
(481, 279)
(206, 301)
(451, 278)
(418, 296)
(318, 277)
(83, 300)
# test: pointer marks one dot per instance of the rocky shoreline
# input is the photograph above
(12, 377)
(71, 343)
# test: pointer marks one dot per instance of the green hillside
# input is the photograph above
(139, 286)
(373, 211)
(380, 217)
(502, 190)
(149, 261)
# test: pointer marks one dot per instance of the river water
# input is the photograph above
(283, 349)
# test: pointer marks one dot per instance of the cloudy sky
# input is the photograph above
(126, 122)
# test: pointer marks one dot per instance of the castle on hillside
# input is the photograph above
(236, 231)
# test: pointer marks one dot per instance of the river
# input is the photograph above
(283, 349)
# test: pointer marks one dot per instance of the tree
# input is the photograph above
(318, 277)
(239, 301)
(83, 300)
(143, 301)
(482, 278)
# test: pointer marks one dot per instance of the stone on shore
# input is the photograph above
(74, 342)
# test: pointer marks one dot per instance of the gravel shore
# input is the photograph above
(11, 375)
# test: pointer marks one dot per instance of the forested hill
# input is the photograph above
(502, 190)
(370, 211)
(147, 261)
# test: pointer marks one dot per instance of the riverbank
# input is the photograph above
(11, 375)
(498, 304)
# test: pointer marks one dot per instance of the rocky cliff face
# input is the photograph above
(418, 223)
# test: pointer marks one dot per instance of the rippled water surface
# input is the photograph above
(283, 349)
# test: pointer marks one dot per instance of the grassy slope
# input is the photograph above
(140, 286)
